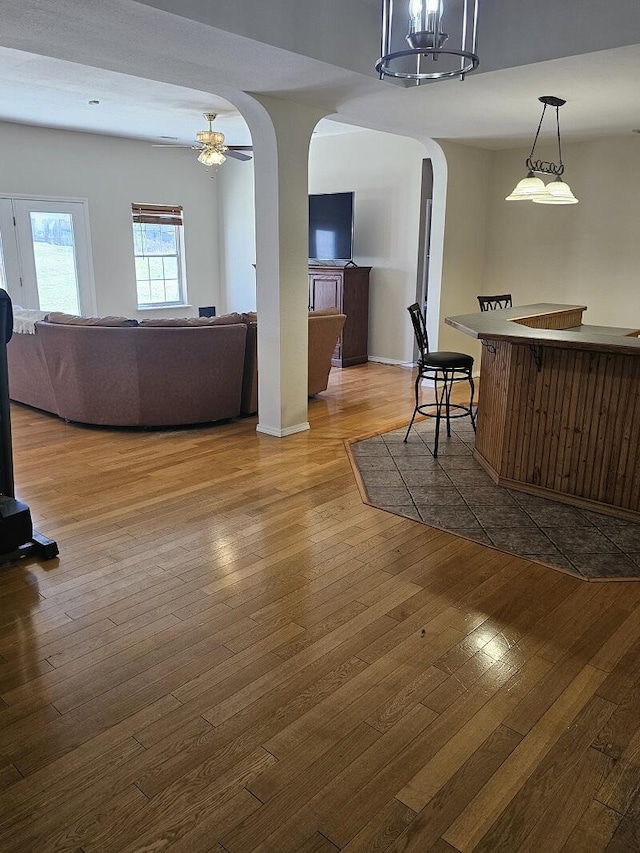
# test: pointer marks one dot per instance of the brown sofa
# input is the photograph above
(130, 376)
(159, 373)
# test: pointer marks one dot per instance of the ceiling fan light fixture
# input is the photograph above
(211, 157)
(213, 149)
(210, 137)
(210, 146)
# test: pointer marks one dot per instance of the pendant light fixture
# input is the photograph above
(533, 188)
(435, 29)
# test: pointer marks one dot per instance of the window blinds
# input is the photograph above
(157, 214)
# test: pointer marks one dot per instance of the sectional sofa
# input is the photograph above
(165, 372)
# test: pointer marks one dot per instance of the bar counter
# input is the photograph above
(559, 410)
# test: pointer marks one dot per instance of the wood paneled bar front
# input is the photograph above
(559, 410)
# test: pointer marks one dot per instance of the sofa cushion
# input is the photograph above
(73, 320)
(167, 322)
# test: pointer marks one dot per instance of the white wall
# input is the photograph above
(586, 253)
(237, 238)
(112, 173)
(385, 172)
(465, 236)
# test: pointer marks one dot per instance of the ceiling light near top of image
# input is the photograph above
(211, 157)
(211, 146)
(213, 150)
(442, 40)
(533, 188)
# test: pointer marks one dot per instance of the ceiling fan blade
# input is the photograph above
(240, 147)
(237, 155)
(158, 145)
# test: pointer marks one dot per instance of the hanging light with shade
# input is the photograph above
(436, 28)
(533, 188)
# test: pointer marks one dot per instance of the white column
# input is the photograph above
(281, 148)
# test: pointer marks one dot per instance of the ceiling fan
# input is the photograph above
(210, 144)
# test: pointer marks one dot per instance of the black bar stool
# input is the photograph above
(443, 369)
(490, 303)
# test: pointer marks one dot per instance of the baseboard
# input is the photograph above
(393, 361)
(409, 365)
(550, 494)
(282, 433)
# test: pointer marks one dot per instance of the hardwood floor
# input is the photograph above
(235, 654)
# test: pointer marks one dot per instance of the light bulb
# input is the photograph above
(431, 7)
(424, 27)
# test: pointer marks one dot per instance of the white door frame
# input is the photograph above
(87, 295)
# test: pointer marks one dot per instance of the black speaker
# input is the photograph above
(17, 536)
(15, 524)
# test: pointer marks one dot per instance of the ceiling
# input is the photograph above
(495, 109)
(39, 90)
(51, 93)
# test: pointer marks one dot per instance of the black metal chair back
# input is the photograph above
(442, 369)
(490, 303)
(419, 328)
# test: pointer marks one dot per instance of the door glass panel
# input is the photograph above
(55, 261)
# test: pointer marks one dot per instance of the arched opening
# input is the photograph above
(383, 171)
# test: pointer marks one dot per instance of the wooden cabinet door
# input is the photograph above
(325, 291)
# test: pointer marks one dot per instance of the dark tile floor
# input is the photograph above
(455, 493)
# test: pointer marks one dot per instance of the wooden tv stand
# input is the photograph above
(347, 289)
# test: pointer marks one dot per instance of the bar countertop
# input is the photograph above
(503, 324)
(558, 415)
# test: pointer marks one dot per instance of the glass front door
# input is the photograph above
(45, 254)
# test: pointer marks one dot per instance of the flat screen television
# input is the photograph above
(331, 226)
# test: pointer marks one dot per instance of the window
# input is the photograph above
(159, 255)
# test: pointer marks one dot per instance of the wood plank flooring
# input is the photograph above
(235, 654)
